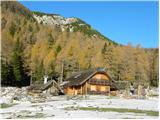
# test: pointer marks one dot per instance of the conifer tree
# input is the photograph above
(17, 63)
(7, 77)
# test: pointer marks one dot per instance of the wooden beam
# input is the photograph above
(73, 90)
(86, 88)
(81, 89)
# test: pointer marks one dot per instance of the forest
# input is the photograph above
(30, 50)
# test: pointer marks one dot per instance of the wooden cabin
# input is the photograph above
(95, 81)
(50, 87)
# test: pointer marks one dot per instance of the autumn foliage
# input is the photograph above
(45, 47)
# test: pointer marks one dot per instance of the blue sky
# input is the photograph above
(122, 22)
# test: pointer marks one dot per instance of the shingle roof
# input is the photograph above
(47, 85)
(83, 76)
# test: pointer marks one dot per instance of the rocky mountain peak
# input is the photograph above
(55, 20)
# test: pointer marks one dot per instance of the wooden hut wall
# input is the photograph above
(75, 90)
(90, 88)
(100, 76)
(98, 89)
(87, 89)
(69, 90)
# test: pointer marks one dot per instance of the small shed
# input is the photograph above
(93, 81)
(50, 87)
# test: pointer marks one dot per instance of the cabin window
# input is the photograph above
(93, 88)
(103, 88)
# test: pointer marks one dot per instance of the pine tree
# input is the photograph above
(7, 77)
(17, 63)
(4, 70)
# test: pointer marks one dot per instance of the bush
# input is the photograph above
(58, 49)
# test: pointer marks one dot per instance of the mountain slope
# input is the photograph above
(68, 24)
(48, 41)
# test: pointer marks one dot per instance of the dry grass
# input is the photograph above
(121, 110)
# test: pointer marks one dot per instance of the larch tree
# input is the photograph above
(141, 66)
(127, 63)
(49, 61)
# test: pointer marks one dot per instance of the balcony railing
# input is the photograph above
(99, 82)
(98, 92)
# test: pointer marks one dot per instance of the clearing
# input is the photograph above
(89, 106)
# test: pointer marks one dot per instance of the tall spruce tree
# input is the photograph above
(17, 63)
(7, 77)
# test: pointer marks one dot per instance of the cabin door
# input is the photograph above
(75, 92)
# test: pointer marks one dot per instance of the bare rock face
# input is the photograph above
(56, 20)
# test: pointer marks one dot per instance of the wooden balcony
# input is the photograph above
(99, 82)
(98, 92)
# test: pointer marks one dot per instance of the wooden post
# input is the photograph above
(81, 90)
(86, 88)
(73, 91)
(109, 91)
